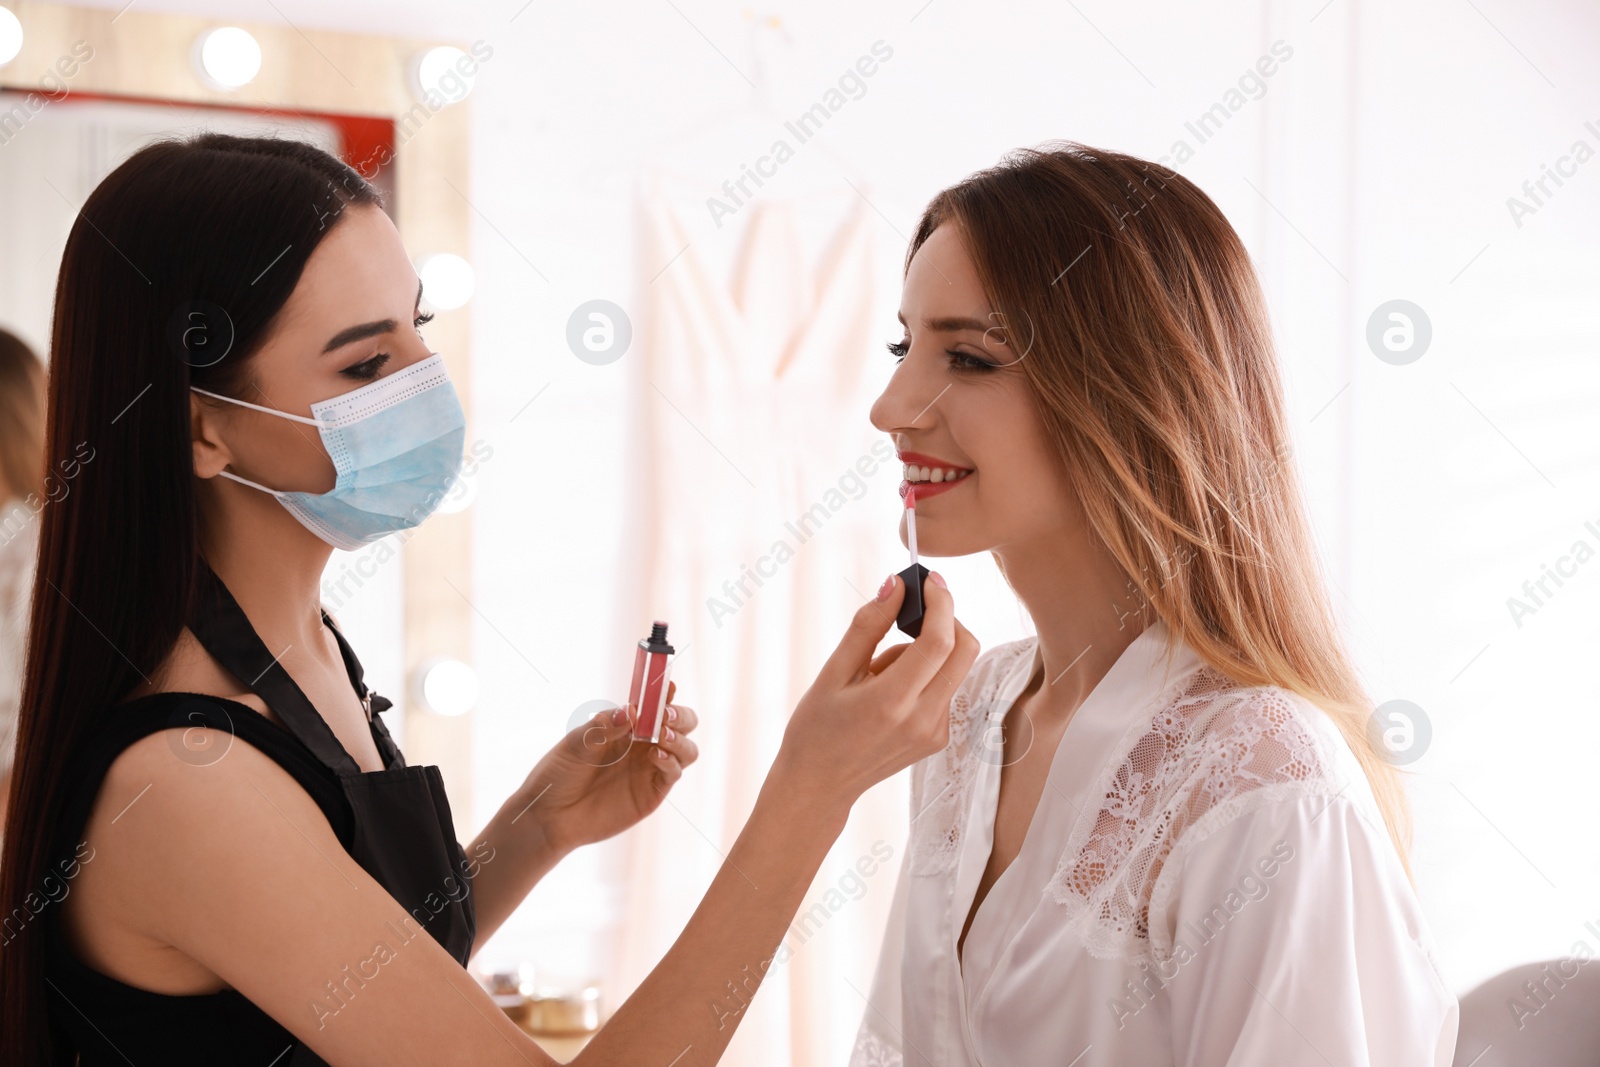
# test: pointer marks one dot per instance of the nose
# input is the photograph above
(907, 403)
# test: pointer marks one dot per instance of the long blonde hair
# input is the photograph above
(1149, 353)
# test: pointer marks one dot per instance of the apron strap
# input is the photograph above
(375, 704)
(225, 632)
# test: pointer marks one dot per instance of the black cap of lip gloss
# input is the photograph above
(657, 641)
(912, 607)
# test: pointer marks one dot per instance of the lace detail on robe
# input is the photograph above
(1218, 750)
(940, 787)
(874, 1049)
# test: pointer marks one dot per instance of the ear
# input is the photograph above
(211, 452)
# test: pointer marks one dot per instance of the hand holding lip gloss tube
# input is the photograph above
(652, 663)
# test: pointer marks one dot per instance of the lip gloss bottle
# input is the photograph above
(652, 662)
(915, 576)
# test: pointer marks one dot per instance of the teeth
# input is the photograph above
(935, 475)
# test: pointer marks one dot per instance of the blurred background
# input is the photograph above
(663, 239)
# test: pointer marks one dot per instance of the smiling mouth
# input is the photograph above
(927, 476)
(919, 475)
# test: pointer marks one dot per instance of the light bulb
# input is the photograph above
(229, 57)
(449, 687)
(443, 70)
(10, 36)
(447, 280)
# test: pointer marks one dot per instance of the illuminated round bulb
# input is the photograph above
(439, 70)
(10, 36)
(229, 57)
(449, 687)
(461, 495)
(447, 281)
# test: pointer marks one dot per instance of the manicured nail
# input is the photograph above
(661, 755)
(886, 588)
(937, 579)
(672, 713)
(619, 716)
(669, 733)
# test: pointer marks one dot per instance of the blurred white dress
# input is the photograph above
(1206, 881)
(19, 543)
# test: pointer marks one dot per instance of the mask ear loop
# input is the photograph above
(246, 481)
(270, 411)
(320, 424)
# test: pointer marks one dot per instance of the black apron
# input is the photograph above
(403, 834)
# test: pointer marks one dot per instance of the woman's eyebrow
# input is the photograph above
(352, 334)
(951, 325)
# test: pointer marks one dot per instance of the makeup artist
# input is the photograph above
(215, 851)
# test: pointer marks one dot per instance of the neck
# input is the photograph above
(1084, 610)
(270, 563)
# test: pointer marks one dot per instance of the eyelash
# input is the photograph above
(960, 360)
(368, 369)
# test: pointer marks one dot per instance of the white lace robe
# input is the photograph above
(1206, 881)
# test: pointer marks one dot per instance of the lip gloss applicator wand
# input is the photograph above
(910, 620)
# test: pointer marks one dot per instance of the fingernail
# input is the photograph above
(619, 716)
(886, 588)
(672, 713)
(669, 732)
(938, 579)
(661, 755)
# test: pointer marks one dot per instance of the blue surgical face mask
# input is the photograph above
(396, 445)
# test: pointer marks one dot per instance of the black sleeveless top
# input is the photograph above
(110, 1022)
(395, 823)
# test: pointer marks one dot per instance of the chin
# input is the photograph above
(945, 549)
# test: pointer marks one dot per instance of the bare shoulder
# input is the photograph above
(166, 832)
(189, 668)
(195, 793)
(227, 865)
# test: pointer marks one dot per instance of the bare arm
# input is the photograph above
(233, 866)
(690, 1005)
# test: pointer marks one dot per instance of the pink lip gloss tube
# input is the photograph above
(652, 662)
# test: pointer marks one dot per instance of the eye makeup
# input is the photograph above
(368, 369)
(958, 360)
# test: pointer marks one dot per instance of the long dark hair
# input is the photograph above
(173, 274)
